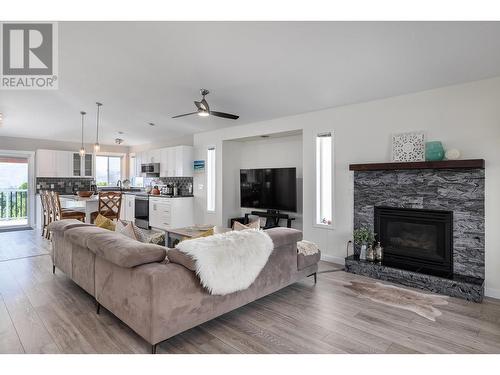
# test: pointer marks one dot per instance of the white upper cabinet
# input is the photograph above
(55, 163)
(46, 163)
(176, 161)
(153, 156)
(183, 161)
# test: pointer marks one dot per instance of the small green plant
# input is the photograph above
(363, 236)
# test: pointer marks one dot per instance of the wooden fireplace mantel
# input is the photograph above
(444, 164)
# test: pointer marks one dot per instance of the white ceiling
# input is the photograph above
(149, 71)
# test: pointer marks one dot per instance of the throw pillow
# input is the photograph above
(120, 225)
(252, 225)
(104, 222)
(146, 236)
(176, 256)
(128, 231)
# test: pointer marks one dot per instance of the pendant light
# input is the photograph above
(97, 147)
(82, 149)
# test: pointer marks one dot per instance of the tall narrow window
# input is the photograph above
(324, 180)
(211, 179)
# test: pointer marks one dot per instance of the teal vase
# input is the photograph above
(434, 151)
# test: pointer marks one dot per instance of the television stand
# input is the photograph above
(273, 218)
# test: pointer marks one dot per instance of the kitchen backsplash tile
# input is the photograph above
(182, 183)
(63, 185)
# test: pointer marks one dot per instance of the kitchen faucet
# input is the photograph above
(119, 184)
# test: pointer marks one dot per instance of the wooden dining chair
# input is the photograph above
(59, 213)
(109, 205)
(45, 213)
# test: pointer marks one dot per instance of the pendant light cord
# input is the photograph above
(97, 132)
(83, 116)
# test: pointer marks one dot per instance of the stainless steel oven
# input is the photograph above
(142, 211)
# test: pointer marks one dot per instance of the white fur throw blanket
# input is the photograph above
(228, 262)
(307, 247)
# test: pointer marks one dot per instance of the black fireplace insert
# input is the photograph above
(416, 239)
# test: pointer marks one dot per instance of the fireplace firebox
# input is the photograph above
(416, 239)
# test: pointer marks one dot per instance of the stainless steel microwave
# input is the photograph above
(150, 168)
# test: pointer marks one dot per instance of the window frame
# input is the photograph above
(317, 182)
(211, 179)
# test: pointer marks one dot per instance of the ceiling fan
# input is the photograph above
(204, 109)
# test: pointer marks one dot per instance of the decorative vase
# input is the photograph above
(362, 254)
(370, 254)
(452, 154)
(379, 252)
(434, 151)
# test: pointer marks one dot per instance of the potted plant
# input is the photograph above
(362, 237)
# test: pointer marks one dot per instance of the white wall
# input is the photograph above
(161, 143)
(464, 116)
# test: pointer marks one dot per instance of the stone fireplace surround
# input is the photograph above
(450, 186)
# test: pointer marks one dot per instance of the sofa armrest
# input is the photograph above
(284, 236)
(63, 225)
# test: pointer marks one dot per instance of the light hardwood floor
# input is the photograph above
(45, 313)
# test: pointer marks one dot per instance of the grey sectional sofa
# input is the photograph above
(157, 298)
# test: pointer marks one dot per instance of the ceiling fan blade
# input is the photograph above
(185, 114)
(203, 105)
(224, 115)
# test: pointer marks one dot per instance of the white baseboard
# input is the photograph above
(332, 259)
(491, 292)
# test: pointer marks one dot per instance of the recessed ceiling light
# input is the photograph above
(151, 124)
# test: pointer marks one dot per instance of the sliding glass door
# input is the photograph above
(14, 194)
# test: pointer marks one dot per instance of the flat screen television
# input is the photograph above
(269, 188)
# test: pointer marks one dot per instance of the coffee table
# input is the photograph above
(175, 235)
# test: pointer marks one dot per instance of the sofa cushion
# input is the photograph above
(124, 251)
(62, 225)
(304, 261)
(178, 257)
(80, 235)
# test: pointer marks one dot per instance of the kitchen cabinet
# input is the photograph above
(88, 165)
(153, 156)
(176, 161)
(166, 213)
(56, 163)
(46, 163)
(127, 210)
(183, 161)
(138, 162)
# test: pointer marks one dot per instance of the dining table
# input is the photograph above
(83, 204)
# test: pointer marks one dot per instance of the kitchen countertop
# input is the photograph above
(162, 195)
